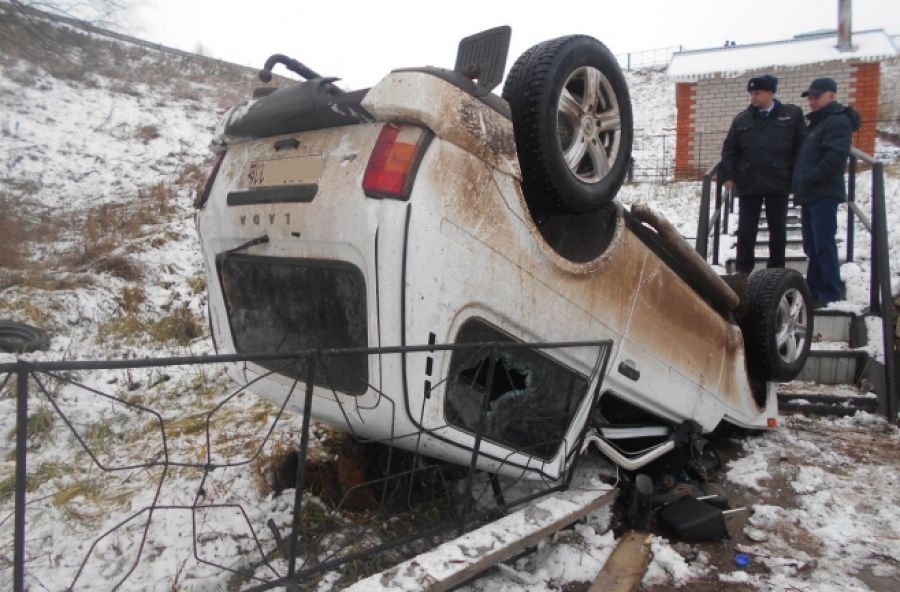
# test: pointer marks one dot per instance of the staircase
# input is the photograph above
(839, 374)
(794, 257)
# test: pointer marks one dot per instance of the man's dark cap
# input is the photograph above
(765, 82)
(819, 86)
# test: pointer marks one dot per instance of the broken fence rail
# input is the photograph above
(458, 517)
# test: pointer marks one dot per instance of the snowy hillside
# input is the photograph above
(102, 149)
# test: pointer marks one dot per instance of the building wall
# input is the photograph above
(703, 121)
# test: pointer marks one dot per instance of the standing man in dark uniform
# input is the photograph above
(758, 163)
(819, 186)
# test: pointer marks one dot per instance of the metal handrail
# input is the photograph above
(879, 273)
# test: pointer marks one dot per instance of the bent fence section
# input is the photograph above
(117, 461)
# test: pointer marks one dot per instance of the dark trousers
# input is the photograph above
(748, 224)
(819, 219)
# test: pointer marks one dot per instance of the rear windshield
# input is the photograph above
(288, 305)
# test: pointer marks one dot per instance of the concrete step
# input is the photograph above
(792, 244)
(794, 234)
(797, 262)
(812, 404)
(791, 224)
(815, 399)
(834, 366)
(834, 326)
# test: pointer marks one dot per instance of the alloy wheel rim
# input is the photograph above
(589, 124)
(791, 326)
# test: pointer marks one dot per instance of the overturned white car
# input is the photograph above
(427, 210)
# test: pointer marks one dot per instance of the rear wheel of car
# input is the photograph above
(573, 124)
(778, 326)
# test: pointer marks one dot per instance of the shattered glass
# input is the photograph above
(532, 398)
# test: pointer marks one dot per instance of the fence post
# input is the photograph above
(300, 483)
(21, 443)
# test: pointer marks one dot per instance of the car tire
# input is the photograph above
(19, 338)
(572, 119)
(778, 326)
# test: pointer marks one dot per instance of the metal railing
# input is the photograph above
(880, 297)
(399, 522)
(647, 58)
(712, 226)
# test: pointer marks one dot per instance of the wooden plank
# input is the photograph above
(461, 559)
(627, 565)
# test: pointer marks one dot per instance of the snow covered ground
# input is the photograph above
(98, 170)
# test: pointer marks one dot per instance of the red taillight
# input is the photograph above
(394, 161)
(202, 196)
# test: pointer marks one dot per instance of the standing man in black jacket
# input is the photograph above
(757, 163)
(819, 185)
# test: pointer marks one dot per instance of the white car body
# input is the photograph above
(464, 245)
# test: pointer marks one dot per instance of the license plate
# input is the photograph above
(289, 171)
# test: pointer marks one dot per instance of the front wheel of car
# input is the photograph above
(778, 326)
(573, 124)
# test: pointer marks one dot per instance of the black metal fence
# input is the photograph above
(397, 503)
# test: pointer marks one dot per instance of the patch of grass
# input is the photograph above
(147, 133)
(39, 426)
(181, 326)
(197, 283)
(192, 176)
(21, 186)
(201, 385)
(98, 435)
(12, 247)
(37, 476)
(7, 487)
(87, 488)
(119, 266)
(132, 298)
(156, 201)
(44, 279)
(127, 327)
(187, 425)
(24, 309)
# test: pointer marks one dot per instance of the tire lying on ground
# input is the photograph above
(573, 125)
(778, 326)
(19, 338)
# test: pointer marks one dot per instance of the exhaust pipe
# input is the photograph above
(845, 24)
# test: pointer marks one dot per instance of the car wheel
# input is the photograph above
(573, 124)
(778, 326)
(18, 338)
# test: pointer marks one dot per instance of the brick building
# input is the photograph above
(711, 87)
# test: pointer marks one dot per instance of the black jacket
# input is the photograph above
(819, 171)
(759, 152)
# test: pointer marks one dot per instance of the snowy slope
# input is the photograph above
(99, 168)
